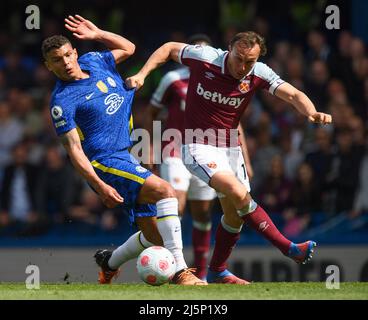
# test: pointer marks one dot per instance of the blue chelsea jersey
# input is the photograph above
(99, 107)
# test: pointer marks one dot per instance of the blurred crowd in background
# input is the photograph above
(300, 169)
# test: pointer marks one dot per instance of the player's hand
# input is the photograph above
(319, 117)
(110, 197)
(136, 81)
(82, 28)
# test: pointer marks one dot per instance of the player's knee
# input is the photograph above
(203, 220)
(201, 216)
(228, 188)
(234, 221)
(241, 198)
(165, 190)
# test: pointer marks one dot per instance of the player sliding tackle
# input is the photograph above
(91, 111)
(220, 87)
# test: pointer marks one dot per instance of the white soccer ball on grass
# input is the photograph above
(156, 265)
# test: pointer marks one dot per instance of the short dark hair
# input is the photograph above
(53, 42)
(248, 39)
(199, 37)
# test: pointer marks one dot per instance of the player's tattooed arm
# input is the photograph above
(84, 29)
(72, 144)
(169, 50)
(302, 103)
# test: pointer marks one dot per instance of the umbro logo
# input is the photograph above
(209, 75)
(263, 226)
(90, 96)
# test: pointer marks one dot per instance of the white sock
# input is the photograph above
(202, 226)
(229, 228)
(168, 225)
(128, 250)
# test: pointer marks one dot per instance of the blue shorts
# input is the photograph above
(124, 173)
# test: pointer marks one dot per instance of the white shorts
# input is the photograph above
(204, 161)
(174, 171)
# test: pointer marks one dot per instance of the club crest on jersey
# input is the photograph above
(102, 86)
(113, 102)
(56, 112)
(244, 86)
(111, 82)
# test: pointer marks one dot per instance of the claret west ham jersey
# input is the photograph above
(216, 100)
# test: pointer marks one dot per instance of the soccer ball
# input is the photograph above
(156, 265)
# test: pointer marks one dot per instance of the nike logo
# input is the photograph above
(90, 96)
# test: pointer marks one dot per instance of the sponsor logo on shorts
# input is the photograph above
(212, 165)
(140, 169)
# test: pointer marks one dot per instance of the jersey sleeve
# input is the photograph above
(62, 114)
(105, 59)
(271, 80)
(191, 55)
(162, 93)
(108, 58)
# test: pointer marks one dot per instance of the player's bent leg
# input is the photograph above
(253, 214)
(229, 185)
(227, 235)
(157, 190)
(201, 234)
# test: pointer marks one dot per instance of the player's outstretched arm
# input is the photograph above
(302, 103)
(109, 196)
(84, 29)
(169, 50)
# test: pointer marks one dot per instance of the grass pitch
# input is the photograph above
(255, 291)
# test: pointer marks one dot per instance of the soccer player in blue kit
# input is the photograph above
(91, 112)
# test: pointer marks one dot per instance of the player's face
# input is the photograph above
(241, 60)
(63, 62)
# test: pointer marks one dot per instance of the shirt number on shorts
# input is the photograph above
(244, 171)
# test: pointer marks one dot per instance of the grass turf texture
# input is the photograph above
(264, 291)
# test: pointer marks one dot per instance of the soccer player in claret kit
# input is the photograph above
(171, 95)
(91, 112)
(220, 87)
